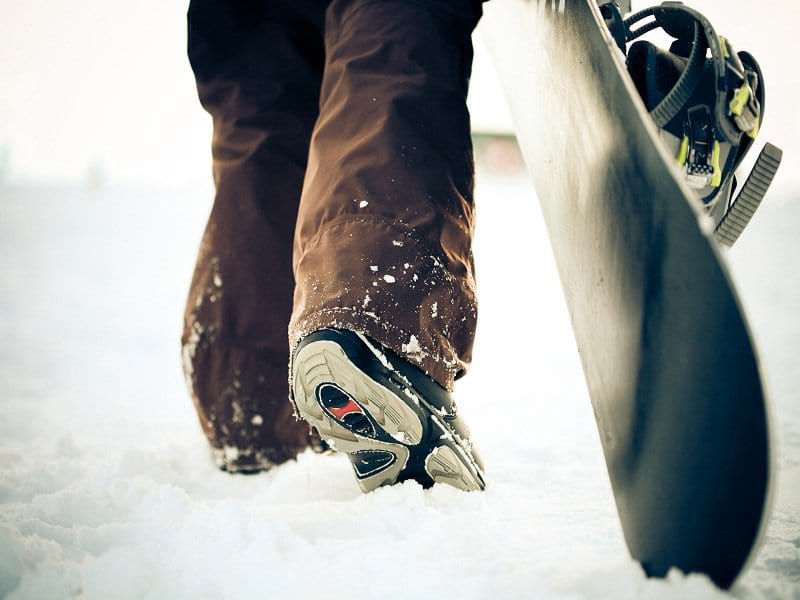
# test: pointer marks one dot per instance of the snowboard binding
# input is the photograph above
(707, 101)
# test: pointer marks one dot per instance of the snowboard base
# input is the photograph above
(665, 348)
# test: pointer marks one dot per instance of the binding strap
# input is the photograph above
(750, 197)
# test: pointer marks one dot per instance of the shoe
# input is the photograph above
(393, 421)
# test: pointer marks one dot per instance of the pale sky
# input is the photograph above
(105, 80)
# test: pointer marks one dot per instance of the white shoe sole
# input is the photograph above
(325, 363)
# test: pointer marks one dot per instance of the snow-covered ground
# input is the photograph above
(107, 491)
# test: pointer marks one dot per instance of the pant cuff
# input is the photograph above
(375, 277)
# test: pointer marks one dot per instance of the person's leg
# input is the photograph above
(384, 307)
(258, 68)
(383, 240)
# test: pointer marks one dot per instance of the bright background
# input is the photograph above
(105, 85)
(106, 490)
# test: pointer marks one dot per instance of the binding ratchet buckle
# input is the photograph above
(744, 107)
(699, 151)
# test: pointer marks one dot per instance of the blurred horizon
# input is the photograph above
(100, 93)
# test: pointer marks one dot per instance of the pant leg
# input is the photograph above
(258, 67)
(384, 232)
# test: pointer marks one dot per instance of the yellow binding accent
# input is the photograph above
(726, 53)
(740, 99)
(753, 133)
(716, 181)
(683, 153)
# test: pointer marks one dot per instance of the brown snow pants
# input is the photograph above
(343, 170)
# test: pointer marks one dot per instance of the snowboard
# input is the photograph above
(666, 352)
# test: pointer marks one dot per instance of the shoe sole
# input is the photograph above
(323, 365)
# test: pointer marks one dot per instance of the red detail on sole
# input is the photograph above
(342, 411)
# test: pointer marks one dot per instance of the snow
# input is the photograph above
(107, 489)
(412, 347)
